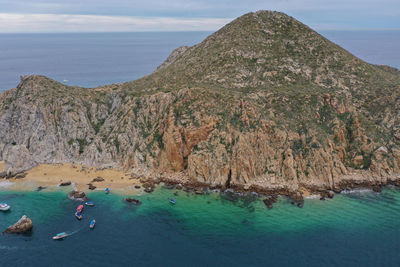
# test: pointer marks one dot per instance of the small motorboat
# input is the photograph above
(92, 224)
(4, 206)
(172, 201)
(60, 236)
(107, 190)
(78, 215)
(79, 208)
(89, 203)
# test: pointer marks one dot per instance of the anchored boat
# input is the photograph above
(172, 201)
(78, 215)
(4, 206)
(89, 203)
(60, 236)
(92, 224)
(79, 208)
(107, 190)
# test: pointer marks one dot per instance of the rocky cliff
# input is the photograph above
(265, 103)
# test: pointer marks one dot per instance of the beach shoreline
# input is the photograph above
(77, 176)
(86, 178)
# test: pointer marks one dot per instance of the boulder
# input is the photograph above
(199, 192)
(137, 186)
(326, 194)
(40, 188)
(270, 200)
(296, 196)
(65, 183)
(377, 188)
(91, 187)
(149, 189)
(179, 186)
(77, 195)
(132, 200)
(23, 225)
(97, 179)
(20, 175)
(3, 174)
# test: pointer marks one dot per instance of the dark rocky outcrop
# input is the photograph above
(77, 195)
(98, 179)
(40, 188)
(91, 187)
(132, 200)
(23, 225)
(269, 200)
(20, 175)
(67, 183)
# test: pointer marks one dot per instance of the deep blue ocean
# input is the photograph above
(355, 229)
(93, 59)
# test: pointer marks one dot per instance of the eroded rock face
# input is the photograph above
(23, 225)
(17, 158)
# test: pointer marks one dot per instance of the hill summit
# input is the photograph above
(264, 104)
(262, 50)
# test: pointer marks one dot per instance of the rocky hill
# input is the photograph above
(265, 103)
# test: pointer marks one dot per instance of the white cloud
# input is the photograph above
(32, 23)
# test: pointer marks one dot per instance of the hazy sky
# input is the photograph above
(180, 15)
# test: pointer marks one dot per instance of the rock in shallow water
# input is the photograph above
(23, 225)
(77, 195)
(132, 200)
(270, 200)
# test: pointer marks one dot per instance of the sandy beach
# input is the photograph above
(51, 175)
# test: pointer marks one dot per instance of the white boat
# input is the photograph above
(4, 206)
(60, 236)
(89, 203)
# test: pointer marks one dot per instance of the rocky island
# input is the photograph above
(264, 104)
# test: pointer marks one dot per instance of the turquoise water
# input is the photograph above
(357, 229)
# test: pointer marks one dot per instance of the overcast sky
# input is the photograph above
(183, 15)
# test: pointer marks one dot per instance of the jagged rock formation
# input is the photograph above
(265, 103)
(21, 226)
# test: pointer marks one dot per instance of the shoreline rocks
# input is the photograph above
(91, 187)
(270, 200)
(23, 225)
(77, 195)
(67, 183)
(97, 179)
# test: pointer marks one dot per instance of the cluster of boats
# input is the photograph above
(79, 216)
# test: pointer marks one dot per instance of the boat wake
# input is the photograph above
(7, 248)
(74, 232)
